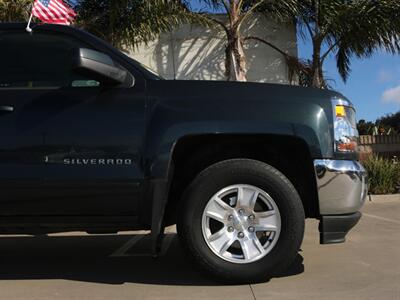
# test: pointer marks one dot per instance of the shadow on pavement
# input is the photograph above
(87, 258)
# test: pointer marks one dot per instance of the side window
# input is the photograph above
(39, 60)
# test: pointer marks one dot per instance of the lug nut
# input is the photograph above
(241, 235)
(251, 229)
(230, 217)
(230, 229)
(251, 217)
(241, 211)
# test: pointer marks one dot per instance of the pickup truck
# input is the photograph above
(93, 141)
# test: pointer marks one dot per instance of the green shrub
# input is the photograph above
(383, 174)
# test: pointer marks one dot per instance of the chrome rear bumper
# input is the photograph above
(342, 186)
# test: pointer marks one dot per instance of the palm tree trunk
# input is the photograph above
(235, 60)
(316, 75)
(317, 79)
(316, 72)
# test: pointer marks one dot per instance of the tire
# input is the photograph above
(244, 261)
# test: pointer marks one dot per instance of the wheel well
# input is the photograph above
(290, 155)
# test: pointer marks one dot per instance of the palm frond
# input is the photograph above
(15, 11)
(349, 28)
(127, 23)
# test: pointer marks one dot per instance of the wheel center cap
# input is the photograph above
(240, 222)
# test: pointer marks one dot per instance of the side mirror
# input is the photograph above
(98, 66)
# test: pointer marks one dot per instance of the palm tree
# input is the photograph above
(15, 10)
(342, 28)
(238, 11)
(125, 23)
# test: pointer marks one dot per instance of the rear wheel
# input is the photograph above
(241, 221)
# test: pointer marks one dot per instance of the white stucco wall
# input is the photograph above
(192, 52)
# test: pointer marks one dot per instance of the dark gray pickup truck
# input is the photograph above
(93, 141)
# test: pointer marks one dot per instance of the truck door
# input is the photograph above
(68, 145)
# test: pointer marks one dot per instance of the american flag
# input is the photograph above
(53, 12)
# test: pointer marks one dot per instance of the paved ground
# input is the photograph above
(367, 266)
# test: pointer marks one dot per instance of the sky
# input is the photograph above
(373, 85)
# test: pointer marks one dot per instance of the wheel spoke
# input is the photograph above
(217, 210)
(246, 197)
(251, 248)
(221, 240)
(266, 221)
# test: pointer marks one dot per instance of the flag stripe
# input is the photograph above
(66, 11)
(56, 13)
(37, 12)
(57, 5)
(44, 12)
(54, 5)
(69, 10)
(53, 11)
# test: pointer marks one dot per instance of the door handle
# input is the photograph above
(6, 108)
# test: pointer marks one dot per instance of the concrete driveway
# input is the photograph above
(111, 267)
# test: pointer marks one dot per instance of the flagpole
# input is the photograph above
(28, 26)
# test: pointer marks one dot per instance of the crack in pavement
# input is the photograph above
(381, 218)
(252, 292)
